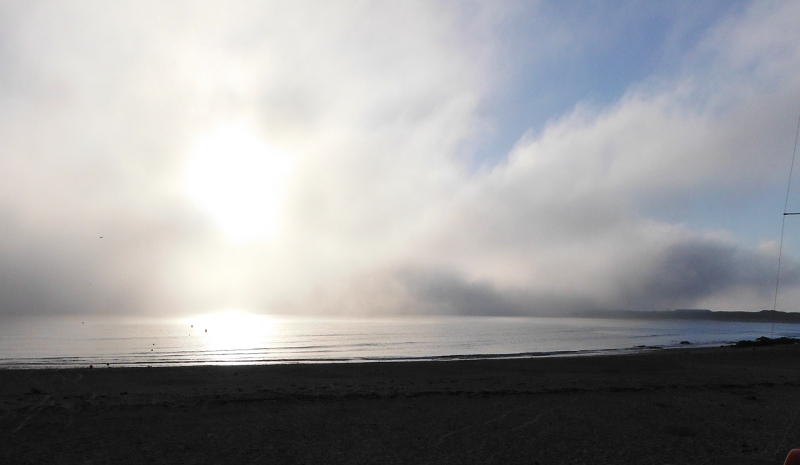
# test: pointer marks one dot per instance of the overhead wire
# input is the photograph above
(783, 229)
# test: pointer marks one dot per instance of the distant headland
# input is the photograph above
(764, 316)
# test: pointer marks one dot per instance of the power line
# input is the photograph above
(783, 227)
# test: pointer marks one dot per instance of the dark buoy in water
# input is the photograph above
(793, 458)
(91, 366)
(206, 330)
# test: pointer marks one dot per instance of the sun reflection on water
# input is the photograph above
(233, 331)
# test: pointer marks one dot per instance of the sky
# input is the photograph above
(397, 158)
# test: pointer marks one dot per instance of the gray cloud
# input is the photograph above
(693, 270)
(681, 274)
(699, 268)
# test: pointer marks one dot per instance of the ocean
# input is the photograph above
(238, 338)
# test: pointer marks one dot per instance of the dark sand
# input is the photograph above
(687, 406)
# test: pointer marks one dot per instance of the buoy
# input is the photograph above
(793, 458)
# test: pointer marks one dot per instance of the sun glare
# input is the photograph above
(239, 180)
(232, 330)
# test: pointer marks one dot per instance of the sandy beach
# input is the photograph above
(694, 405)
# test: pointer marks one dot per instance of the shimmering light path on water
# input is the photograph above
(235, 338)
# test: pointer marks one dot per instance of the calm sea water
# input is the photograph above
(249, 339)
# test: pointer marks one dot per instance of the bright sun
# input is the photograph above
(239, 180)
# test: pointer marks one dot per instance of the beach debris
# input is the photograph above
(685, 343)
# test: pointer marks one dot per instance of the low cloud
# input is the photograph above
(683, 273)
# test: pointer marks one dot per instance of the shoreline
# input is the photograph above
(44, 364)
(47, 363)
(694, 405)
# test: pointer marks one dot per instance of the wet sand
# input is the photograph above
(717, 406)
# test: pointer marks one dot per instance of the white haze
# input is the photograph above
(379, 105)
